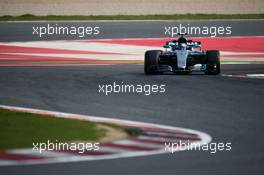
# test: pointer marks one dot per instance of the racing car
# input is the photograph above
(182, 56)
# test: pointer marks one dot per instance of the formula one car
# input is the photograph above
(182, 56)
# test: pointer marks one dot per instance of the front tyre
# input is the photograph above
(213, 62)
(151, 60)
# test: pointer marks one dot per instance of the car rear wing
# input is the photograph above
(190, 43)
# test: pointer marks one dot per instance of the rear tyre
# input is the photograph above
(213, 62)
(151, 59)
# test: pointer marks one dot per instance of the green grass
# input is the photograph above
(20, 130)
(29, 17)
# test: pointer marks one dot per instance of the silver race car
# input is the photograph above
(182, 56)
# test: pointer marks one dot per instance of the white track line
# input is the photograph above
(256, 76)
(205, 138)
(42, 154)
(129, 142)
(84, 46)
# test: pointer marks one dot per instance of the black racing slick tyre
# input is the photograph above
(213, 62)
(151, 59)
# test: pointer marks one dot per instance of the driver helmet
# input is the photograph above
(182, 42)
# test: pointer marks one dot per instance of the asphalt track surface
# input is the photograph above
(22, 31)
(229, 109)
